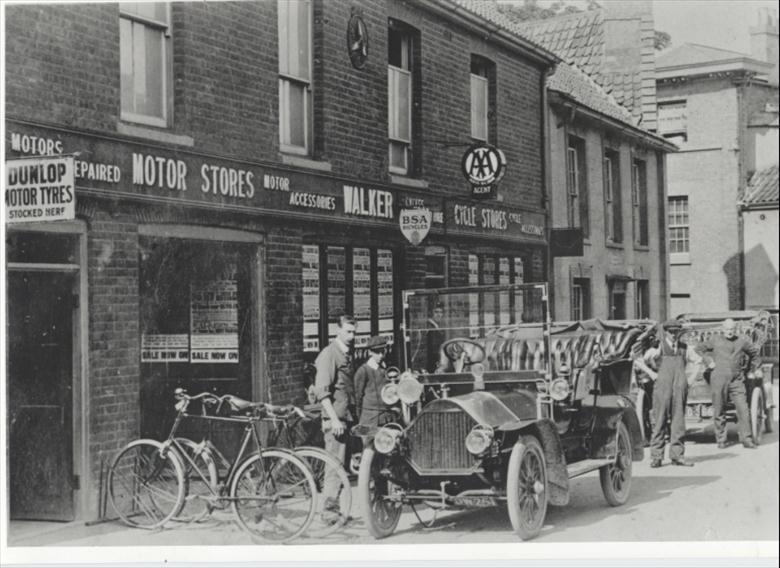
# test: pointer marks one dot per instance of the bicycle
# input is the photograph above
(331, 514)
(271, 492)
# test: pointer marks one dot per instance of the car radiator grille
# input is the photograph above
(437, 441)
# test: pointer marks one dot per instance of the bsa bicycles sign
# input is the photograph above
(415, 224)
(483, 166)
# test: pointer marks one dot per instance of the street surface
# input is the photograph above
(729, 494)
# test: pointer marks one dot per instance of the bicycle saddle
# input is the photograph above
(238, 403)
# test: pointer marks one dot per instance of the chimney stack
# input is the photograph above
(763, 41)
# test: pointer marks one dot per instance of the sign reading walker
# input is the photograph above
(40, 189)
(483, 166)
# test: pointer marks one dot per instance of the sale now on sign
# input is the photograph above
(40, 189)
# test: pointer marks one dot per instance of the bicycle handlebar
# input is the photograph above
(239, 404)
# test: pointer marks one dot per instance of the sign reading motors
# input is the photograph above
(40, 189)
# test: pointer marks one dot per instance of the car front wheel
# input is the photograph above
(380, 514)
(616, 478)
(526, 487)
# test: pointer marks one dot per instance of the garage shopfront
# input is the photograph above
(210, 273)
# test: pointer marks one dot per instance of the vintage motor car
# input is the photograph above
(756, 326)
(515, 407)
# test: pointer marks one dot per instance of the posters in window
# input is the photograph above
(336, 286)
(214, 319)
(165, 348)
(311, 298)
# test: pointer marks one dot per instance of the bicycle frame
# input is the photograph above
(249, 432)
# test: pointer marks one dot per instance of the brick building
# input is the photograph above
(717, 158)
(239, 175)
(606, 164)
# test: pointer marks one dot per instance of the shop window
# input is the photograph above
(577, 185)
(612, 197)
(401, 74)
(195, 322)
(580, 299)
(483, 99)
(345, 279)
(295, 75)
(144, 61)
(642, 299)
(639, 202)
(435, 267)
(616, 289)
(499, 308)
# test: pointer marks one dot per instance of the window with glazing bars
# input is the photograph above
(679, 229)
(295, 76)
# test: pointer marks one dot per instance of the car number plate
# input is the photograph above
(475, 501)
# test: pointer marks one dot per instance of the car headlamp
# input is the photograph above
(389, 394)
(409, 388)
(386, 439)
(478, 372)
(559, 389)
(479, 439)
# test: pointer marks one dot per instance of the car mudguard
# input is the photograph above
(607, 415)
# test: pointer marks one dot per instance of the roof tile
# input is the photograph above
(763, 187)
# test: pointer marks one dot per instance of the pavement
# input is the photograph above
(729, 495)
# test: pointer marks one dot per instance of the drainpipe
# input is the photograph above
(547, 191)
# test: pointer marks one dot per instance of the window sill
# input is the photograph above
(611, 245)
(679, 258)
(643, 248)
(586, 241)
(303, 162)
(153, 134)
(408, 182)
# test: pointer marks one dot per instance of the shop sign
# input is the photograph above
(473, 218)
(357, 39)
(415, 224)
(483, 166)
(40, 189)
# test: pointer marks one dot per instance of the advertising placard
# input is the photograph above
(40, 189)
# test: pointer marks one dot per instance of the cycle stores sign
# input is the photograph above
(483, 166)
(40, 189)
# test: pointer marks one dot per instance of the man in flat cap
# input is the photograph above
(369, 380)
(669, 393)
(727, 381)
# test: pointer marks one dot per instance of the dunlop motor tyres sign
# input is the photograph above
(40, 189)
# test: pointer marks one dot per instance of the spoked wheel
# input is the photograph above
(757, 414)
(273, 494)
(526, 487)
(332, 511)
(616, 478)
(200, 470)
(146, 484)
(380, 513)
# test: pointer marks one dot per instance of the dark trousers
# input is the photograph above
(725, 388)
(669, 394)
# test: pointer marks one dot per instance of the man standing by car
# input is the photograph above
(334, 390)
(727, 381)
(669, 395)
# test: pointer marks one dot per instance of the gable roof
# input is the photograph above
(762, 188)
(694, 58)
(571, 81)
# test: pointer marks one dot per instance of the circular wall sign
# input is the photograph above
(357, 41)
(483, 165)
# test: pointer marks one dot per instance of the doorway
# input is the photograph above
(41, 308)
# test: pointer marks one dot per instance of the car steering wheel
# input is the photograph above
(463, 348)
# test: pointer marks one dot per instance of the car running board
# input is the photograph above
(585, 466)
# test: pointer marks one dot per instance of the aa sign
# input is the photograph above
(415, 224)
(40, 189)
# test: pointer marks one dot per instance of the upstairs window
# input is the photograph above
(295, 73)
(679, 225)
(580, 299)
(482, 99)
(673, 121)
(639, 202)
(577, 186)
(400, 78)
(613, 219)
(144, 61)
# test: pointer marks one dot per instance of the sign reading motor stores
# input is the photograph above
(483, 166)
(40, 189)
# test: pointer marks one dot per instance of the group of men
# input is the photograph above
(727, 356)
(348, 396)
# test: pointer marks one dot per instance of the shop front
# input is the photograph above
(181, 269)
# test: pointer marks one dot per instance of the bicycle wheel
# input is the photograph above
(273, 495)
(332, 511)
(200, 470)
(146, 484)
